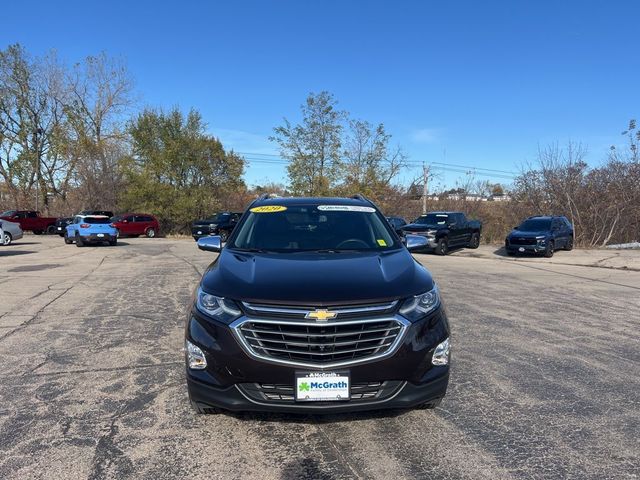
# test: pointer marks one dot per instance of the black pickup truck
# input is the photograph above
(218, 224)
(446, 230)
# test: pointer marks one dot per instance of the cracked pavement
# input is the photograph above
(545, 381)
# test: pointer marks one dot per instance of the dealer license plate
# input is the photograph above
(199, 232)
(521, 249)
(101, 235)
(322, 386)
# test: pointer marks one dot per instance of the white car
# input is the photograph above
(11, 231)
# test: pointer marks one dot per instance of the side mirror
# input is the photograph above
(415, 242)
(210, 244)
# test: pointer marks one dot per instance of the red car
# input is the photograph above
(31, 220)
(134, 224)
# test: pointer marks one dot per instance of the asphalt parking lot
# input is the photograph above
(545, 381)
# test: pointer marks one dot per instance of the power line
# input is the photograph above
(475, 168)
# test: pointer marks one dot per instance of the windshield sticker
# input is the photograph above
(381, 242)
(268, 209)
(345, 208)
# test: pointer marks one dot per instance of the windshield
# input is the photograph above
(312, 228)
(220, 217)
(8, 213)
(535, 225)
(432, 219)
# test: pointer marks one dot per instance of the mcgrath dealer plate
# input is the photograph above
(322, 386)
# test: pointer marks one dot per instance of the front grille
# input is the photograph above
(523, 241)
(284, 393)
(314, 343)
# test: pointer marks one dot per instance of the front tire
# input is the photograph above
(548, 252)
(204, 410)
(150, 233)
(7, 238)
(442, 247)
(113, 243)
(430, 405)
(51, 229)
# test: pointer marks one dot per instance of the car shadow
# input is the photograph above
(16, 252)
(312, 418)
(502, 252)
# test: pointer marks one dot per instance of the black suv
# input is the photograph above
(218, 224)
(315, 305)
(540, 234)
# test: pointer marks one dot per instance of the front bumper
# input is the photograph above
(233, 378)
(236, 399)
(537, 248)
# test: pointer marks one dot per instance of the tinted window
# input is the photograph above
(313, 227)
(97, 220)
(535, 225)
(8, 213)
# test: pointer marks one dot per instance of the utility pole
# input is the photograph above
(425, 179)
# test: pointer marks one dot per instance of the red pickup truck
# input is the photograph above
(30, 220)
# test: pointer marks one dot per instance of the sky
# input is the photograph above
(466, 83)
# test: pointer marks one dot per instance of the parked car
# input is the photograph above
(135, 224)
(86, 230)
(221, 224)
(446, 230)
(61, 225)
(11, 231)
(315, 305)
(397, 223)
(30, 220)
(540, 234)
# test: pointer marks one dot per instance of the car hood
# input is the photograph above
(315, 279)
(518, 233)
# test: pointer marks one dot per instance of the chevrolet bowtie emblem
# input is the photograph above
(321, 315)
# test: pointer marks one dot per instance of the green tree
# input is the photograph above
(313, 147)
(370, 164)
(177, 171)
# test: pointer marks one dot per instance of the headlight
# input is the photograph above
(220, 308)
(415, 308)
(195, 356)
(441, 353)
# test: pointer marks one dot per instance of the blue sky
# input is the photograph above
(462, 83)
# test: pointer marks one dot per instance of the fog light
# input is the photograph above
(195, 356)
(441, 354)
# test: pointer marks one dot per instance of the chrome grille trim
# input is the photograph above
(259, 309)
(368, 349)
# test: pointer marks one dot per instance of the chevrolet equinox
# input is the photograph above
(315, 305)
